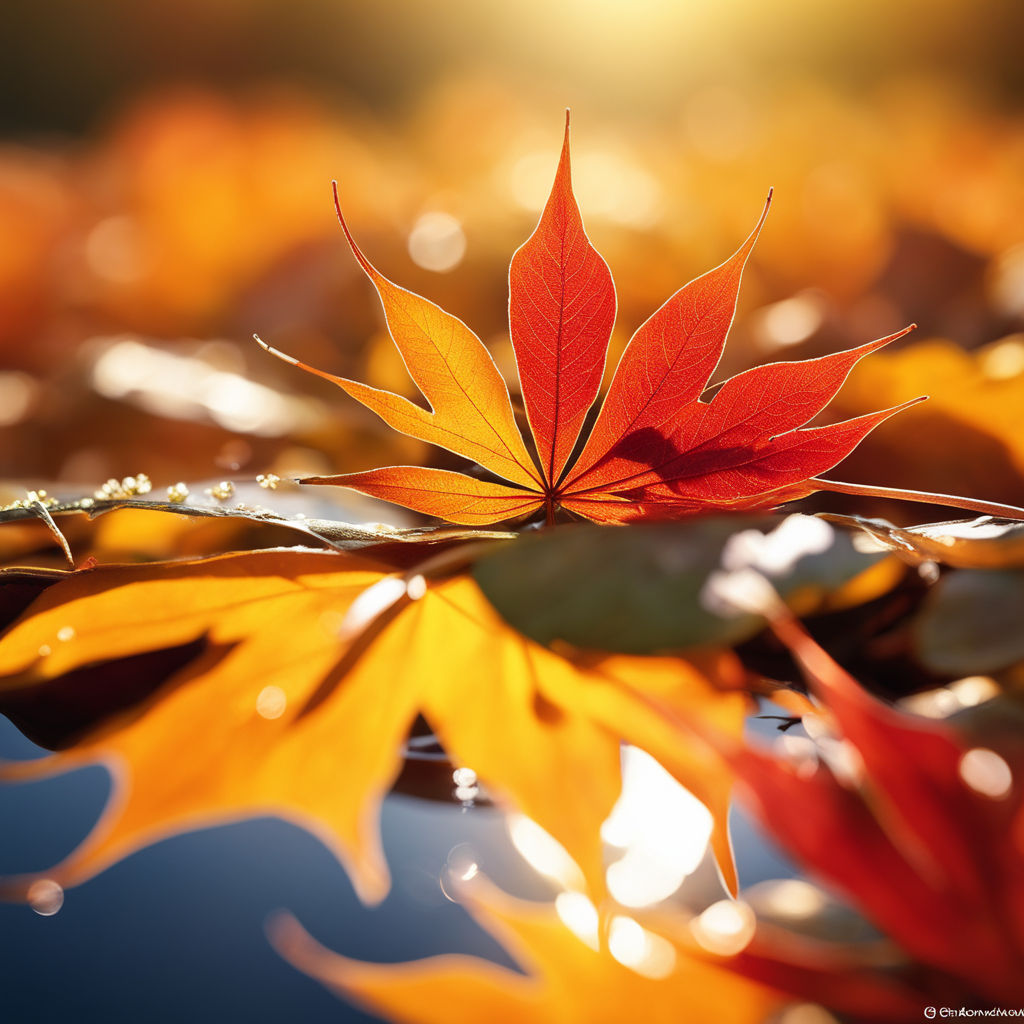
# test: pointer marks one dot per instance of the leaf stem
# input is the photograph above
(987, 508)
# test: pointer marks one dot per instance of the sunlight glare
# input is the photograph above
(725, 928)
(373, 601)
(543, 852)
(640, 950)
(663, 829)
(437, 242)
(791, 898)
(580, 916)
(790, 321)
(986, 773)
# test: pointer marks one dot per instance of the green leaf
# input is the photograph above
(637, 589)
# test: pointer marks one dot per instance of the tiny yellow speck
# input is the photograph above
(177, 493)
(268, 481)
(222, 491)
(129, 487)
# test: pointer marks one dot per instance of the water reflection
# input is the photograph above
(209, 892)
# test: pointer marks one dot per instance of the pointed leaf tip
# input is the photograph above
(561, 312)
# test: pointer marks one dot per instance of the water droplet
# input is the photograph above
(66, 633)
(460, 867)
(45, 897)
(466, 788)
(271, 702)
(221, 491)
(416, 588)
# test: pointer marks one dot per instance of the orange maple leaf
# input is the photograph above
(568, 980)
(656, 448)
(226, 629)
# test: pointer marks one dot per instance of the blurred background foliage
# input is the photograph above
(165, 179)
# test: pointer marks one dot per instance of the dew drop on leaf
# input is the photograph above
(460, 867)
(45, 897)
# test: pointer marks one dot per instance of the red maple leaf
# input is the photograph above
(656, 450)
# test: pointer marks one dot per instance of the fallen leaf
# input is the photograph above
(657, 450)
(231, 720)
